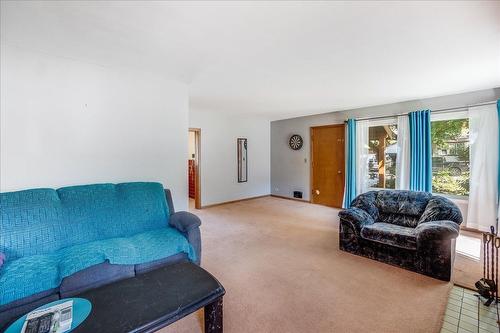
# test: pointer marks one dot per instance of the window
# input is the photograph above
(382, 153)
(450, 155)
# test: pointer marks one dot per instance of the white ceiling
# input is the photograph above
(280, 59)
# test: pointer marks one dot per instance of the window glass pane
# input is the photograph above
(450, 156)
(382, 142)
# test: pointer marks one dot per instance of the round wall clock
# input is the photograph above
(295, 142)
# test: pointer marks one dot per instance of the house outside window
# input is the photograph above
(450, 154)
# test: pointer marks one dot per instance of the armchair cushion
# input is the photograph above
(390, 234)
(441, 209)
(184, 221)
(437, 230)
(403, 220)
(357, 217)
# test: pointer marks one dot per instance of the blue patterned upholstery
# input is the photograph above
(28, 275)
(41, 221)
(391, 234)
(403, 208)
(357, 216)
(366, 202)
(440, 208)
(50, 234)
(414, 230)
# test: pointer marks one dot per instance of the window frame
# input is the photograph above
(454, 115)
(391, 120)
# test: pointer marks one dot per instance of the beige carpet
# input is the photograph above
(283, 272)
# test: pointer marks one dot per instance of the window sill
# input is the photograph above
(461, 198)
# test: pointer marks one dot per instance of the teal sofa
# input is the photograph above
(57, 243)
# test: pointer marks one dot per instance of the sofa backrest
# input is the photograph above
(40, 221)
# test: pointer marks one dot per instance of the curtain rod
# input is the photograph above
(457, 108)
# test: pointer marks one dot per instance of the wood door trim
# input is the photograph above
(197, 165)
(311, 154)
(327, 126)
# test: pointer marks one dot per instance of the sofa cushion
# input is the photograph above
(32, 274)
(391, 234)
(27, 276)
(42, 221)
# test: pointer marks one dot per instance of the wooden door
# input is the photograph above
(327, 165)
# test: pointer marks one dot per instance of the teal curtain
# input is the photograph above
(420, 151)
(350, 168)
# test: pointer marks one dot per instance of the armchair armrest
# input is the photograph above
(184, 221)
(189, 225)
(437, 230)
(357, 217)
(441, 209)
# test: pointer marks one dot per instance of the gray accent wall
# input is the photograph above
(290, 170)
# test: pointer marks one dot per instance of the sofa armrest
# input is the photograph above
(437, 231)
(184, 221)
(189, 225)
(357, 217)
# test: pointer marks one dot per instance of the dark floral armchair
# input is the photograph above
(413, 230)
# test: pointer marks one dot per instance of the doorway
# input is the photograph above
(194, 159)
(328, 165)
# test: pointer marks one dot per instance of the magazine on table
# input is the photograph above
(54, 319)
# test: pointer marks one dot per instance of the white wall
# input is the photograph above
(191, 144)
(66, 122)
(219, 180)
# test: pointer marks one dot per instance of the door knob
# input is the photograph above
(339, 172)
(317, 192)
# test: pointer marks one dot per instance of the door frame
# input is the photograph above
(197, 166)
(311, 154)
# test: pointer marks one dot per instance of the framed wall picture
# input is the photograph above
(241, 144)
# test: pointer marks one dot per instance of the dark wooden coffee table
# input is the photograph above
(155, 299)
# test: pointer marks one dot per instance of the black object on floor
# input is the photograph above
(487, 287)
(153, 300)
